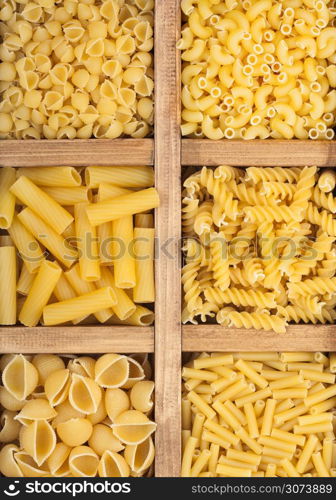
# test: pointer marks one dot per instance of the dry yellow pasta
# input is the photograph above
(50, 214)
(260, 433)
(76, 426)
(259, 69)
(259, 253)
(80, 72)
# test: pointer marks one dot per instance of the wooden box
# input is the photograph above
(168, 338)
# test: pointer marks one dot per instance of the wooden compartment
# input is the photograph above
(169, 154)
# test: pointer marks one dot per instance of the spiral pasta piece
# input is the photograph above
(324, 200)
(323, 219)
(312, 286)
(279, 174)
(256, 320)
(242, 298)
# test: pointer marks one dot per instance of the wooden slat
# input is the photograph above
(258, 153)
(297, 338)
(168, 222)
(76, 339)
(78, 152)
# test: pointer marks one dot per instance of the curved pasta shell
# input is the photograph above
(10, 428)
(46, 364)
(113, 465)
(102, 438)
(28, 465)
(135, 374)
(142, 358)
(20, 377)
(8, 464)
(99, 415)
(58, 461)
(39, 440)
(141, 396)
(57, 387)
(111, 370)
(4, 360)
(64, 413)
(84, 394)
(133, 427)
(8, 401)
(116, 402)
(83, 366)
(140, 456)
(36, 409)
(83, 462)
(75, 431)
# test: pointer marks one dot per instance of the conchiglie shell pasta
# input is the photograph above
(38, 439)
(111, 371)
(141, 396)
(83, 366)
(8, 465)
(58, 461)
(57, 387)
(5, 359)
(113, 465)
(84, 394)
(116, 402)
(99, 415)
(102, 438)
(133, 427)
(36, 409)
(83, 462)
(10, 428)
(10, 402)
(140, 456)
(28, 465)
(65, 412)
(47, 364)
(20, 377)
(75, 431)
(135, 374)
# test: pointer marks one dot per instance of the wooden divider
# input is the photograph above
(168, 232)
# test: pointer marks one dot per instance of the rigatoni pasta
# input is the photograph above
(98, 235)
(77, 426)
(259, 434)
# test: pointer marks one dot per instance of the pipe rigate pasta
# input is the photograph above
(258, 71)
(70, 426)
(272, 257)
(77, 73)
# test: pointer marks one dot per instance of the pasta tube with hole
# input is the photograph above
(87, 245)
(52, 176)
(68, 195)
(38, 201)
(7, 285)
(64, 291)
(69, 310)
(7, 199)
(144, 290)
(45, 234)
(25, 281)
(124, 262)
(124, 307)
(40, 293)
(29, 249)
(130, 177)
(128, 204)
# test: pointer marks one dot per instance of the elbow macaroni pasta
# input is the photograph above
(258, 70)
(76, 70)
(239, 418)
(93, 418)
(260, 247)
(73, 267)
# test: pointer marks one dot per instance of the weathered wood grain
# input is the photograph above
(76, 339)
(168, 231)
(260, 153)
(78, 152)
(298, 338)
